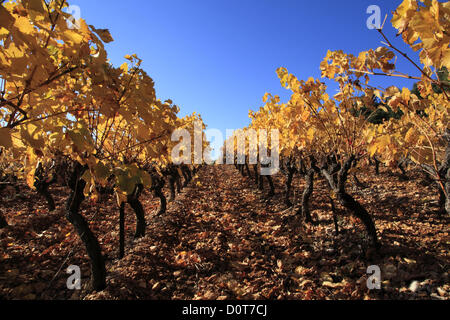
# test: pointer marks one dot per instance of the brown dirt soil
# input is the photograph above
(223, 239)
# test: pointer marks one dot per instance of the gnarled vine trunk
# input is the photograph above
(186, 174)
(241, 169)
(401, 165)
(172, 181)
(377, 163)
(72, 210)
(42, 184)
(136, 205)
(157, 189)
(177, 176)
(260, 182)
(309, 188)
(337, 185)
(256, 173)
(247, 170)
(271, 185)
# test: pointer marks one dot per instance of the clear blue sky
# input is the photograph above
(219, 57)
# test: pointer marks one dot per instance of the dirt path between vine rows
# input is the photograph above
(224, 239)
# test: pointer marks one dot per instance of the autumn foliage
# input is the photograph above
(70, 118)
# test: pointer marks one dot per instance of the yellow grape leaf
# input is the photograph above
(24, 25)
(32, 135)
(35, 5)
(73, 36)
(103, 34)
(403, 14)
(422, 155)
(146, 179)
(102, 173)
(30, 179)
(56, 139)
(87, 177)
(372, 149)
(36, 9)
(124, 67)
(81, 139)
(3, 32)
(311, 133)
(125, 181)
(406, 95)
(411, 136)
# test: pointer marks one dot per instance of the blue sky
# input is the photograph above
(219, 57)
